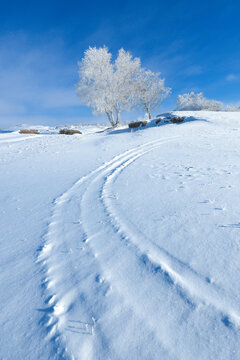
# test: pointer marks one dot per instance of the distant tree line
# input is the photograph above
(233, 108)
(192, 101)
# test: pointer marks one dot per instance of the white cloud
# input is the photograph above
(7, 108)
(59, 97)
(194, 70)
(35, 79)
(232, 77)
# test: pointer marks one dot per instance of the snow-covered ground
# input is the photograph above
(47, 130)
(122, 244)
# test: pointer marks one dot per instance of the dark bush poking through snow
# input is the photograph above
(69, 132)
(177, 119)
(28, 131)
(136, 124)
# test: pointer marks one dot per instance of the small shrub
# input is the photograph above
(69, 132)
(136, 124)
(177, 119)
(28, 131)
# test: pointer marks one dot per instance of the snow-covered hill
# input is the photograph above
(122, 244)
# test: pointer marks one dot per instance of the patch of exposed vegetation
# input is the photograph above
(69, 132)
(136, 124)
(28, 131)
(177, 119)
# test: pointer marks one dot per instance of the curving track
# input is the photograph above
(106, 281)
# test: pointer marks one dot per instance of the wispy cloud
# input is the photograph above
(35, 80)
(232, 77)
(193, 70)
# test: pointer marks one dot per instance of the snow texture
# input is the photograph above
(122, 244)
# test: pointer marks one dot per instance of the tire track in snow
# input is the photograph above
(196, 286)
(60, 301)
(109, 243)
(123, 239)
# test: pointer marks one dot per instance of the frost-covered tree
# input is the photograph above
(150, 91)
(94, 86)
(192, 101)
(106, 86)
(110, 87)
(233, 108)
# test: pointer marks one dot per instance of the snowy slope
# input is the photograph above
(122, 244)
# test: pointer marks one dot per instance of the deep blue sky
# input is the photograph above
(195, 45)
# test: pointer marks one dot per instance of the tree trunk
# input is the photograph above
(118, 117)
(110, 118)
(113, 121)
(148, 111)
